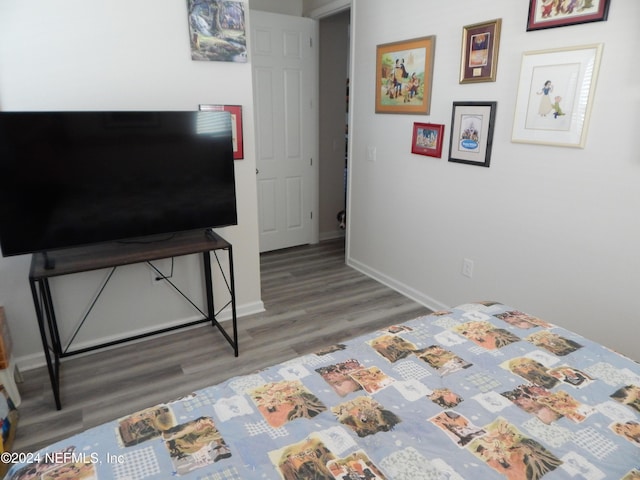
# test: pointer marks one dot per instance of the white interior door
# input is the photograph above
(284, 62)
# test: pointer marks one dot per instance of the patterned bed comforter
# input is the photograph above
(478, 392)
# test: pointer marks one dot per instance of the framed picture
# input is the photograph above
(555, 95)
(480, 44)
(472, 132)
(554, 13)
(236, 125)
(404, 74)
(217, 30)
(427, 139)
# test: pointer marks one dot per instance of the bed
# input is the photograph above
(480, 391)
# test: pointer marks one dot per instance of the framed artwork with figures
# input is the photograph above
(480, 45)
(427, 139)
(472, 125)
(559, 13)
(556, 92)
(404, 75)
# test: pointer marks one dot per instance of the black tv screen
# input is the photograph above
(77, 178)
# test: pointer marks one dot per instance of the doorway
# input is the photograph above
(334, 48)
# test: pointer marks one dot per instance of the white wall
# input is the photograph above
(553, 231)
(284, 7)
(74, 55)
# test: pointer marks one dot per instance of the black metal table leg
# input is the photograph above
(37, 293)
(206, 258)
(232, 291)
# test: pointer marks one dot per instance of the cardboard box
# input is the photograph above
(9, 421)
(5, 341)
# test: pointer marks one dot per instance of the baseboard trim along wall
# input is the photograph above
(400, 287)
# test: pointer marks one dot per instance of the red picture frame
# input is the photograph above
(236, 124)
(550, 14)
(427, 139)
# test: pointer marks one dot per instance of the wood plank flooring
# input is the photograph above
(312, 300)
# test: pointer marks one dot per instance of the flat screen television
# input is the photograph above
(75, 178)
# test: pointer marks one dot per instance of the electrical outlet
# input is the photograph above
(467, 268)
(156, 275)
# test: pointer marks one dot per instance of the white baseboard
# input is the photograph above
(36, 360)
(400, 287)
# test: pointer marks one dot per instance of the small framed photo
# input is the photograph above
(236, 126)
(404, 74)
(555, 95)
(480, 45)
(472, 125)
(552, 13)
(427, 139)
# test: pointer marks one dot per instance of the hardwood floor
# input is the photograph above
(312, 300)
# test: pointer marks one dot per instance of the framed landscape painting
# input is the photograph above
(217, 30)
(404, 73)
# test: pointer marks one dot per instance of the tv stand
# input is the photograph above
(112, 255)
(210, 233)
(49, 263)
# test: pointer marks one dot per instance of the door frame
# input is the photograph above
(336, 6)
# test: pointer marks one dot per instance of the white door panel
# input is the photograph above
(285, 98)
(294, 201)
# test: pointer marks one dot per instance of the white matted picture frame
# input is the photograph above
(472, 125)
(555, 95)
